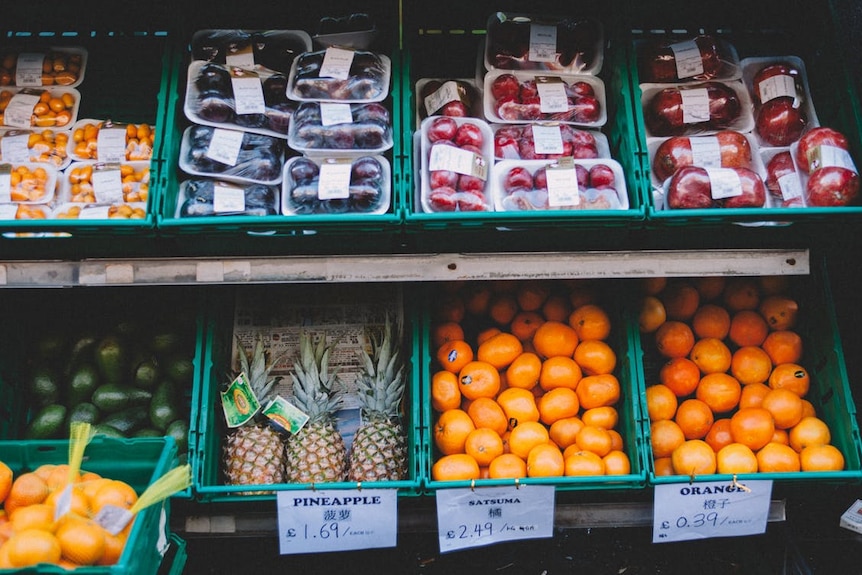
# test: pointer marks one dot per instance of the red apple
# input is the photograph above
(443, 179)
(505, 86)
(777, 169)
(540, 179)
(469, 134)
(601, 176)
(779, 69)
(690, 188)
(517, 178)
(443, 200)
(832, 186)
(441, 129)
(821, 136)
(753, 191)
(780, 122)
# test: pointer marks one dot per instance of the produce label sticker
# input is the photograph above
(458, 160)
(689, 62)
(476, 517)
(224, 146)
(777, 87)
(695, 105)
(28, 69)
(684, 511)
(8, 211)
(852, 518)
(107, 183)
(113, 518)
(552, 94)
(448, 92)
(563, 184)
(19, 111)
(239, 402)
(790, 186)
(332, 114)
(705, 151)
(336, 63)
(547, 139)
(336, 520)
(543, 43)
(285, 415)
(228, 199)
(241, 57)
(64, 503)
(334, 179)
(828, 157)
(724, 183)
(94, 213)
(14, 148)
(111, 143)
(247, 91)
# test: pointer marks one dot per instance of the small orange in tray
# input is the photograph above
(711, 320)
(719, 435)
(5, 481)
(446, 331)
(477, 298)
(507, 466)
(790, 376)
(736, 458)
(719, 391)
(595, 439)
(484, 445)
(445, 393)
(741, 293)
(752, 426)
(563, 432)
(680, 375)
(556, 308)
(652, 286)
(695, 418)
(809, 431)
(456, 467)
(479, 379)
(32, 546)
(694, 457)
(665, 436)
(27, 489)
(114, 492)
(783, 346)
(500, 350)
(503, 308)
(674, 339)
(595, 357)
(525, 324)
(485, 412)
(785, 407)
(531, 295)
(554, 338)
(560, 371)
(747, 327)
(750, 364)
(454, 355)
(711, 355)
(451, 430)
(777, 458)
(605, 417)
(681, 300)
(661, 402)
(525, 436)
(450, 308)
(752, 394)
(598, 391)
(780, 312)
(487, 334)
(557, 403)
(709, 287)
(583, 463)
(821, 458)
(37, 516)
(617, 463)
(82, 541)
(652, 314)
(545, 460)
(524, 371)
(663, 467)
(590, 322)
(519, 405)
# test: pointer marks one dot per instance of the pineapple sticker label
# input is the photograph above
(239, 402)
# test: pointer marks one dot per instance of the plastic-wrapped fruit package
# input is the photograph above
(697, 58)
(271, 49)
(693, 187)
(525, 97)
(519, 142)
(697, 109)
(782, 105)
(782, 181)
(725, 149)
(336, 186)
(61, 66)
(259, 158)
(447, 97)
(340, 75)
(327, 126)
(208, 197)
(40, 146)
(831, 178)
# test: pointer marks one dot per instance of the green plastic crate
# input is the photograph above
(208, 473)
(175, 558)
(772, 28)
(623, 341)
(138, 462)
(823, 358)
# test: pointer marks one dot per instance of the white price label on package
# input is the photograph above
(476, 517)
(777, 87)
(241, 58)
(458, 161)
(111, 144)
(446, 93)
(552, 94)
(695, 105)
(825, 156)
(547, 139)
(336, 520)
(705, 151)
(790, 186)
(336, 63)
(332, 114)
(247, 92)
(684, 511)
(5, 184)
(724, 183)
(19, 111)
(334, 180)
(108, 184)
(543, 43)
(14, 149)
(28, 69)
(563, 184)
(224, 146)
(689, 62)
(228, 199)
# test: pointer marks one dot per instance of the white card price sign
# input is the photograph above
(336, 520)
(476, 517)
(684, 511)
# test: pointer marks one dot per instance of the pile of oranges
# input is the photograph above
(730, 396)
(29, 532)
(523, 383)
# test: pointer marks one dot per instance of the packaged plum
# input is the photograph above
(200, 197)
(340, 186)
(233, 97)
(231, 155)
(696, 109)
(340, 75)
(328, 127)
(691, 59)
(53, 66)
(273, 50)
(548, 141)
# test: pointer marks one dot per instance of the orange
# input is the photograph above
(525, 324)
(483, 445)
(5, 481)
(750, 364)
(719, 391)
(556, 308)
(665, 436)
(605, 417)
(741, 293)
(451, 431)
(783, 346)
(808, 409)
(809, 431)
(33, 546)
(446, 331)
(485, 412)
(557, 403)
(507, 466)
(503, 308)
(680, 375)
(564, 431)
(711, 320)
(487, 334)
(780, 312)
(617, 442)
(674, 339)
(445, 392)
(590, 322)
(692, 458)
(37, 516)
(554, 338)
(661, 402)
(753, 394)
(781, 436)
(747, 327)
(519, 405)
(79, 502)
(663, 466)
(695, 418)
(524, 371)
(736, 458)
(710, 355)
(680, 299)
(560, 371)
(531, 295)
(454, 355)
(598, 391)
(595, 439)
(455, 467)
(790, 376)
(499, 350)
(709, 287)
(478, 379)
(719, 434)
(777, 458)
(114, 545)
(821, 458)
(582, 293)
(617, 463)
(652, 286)
(752, 426)
(114, 492)
(583, 463)
(545, 460)
(526, 435)
(477, 298)
(58, 477)
(27, 489)
(450, 307)
(82, 541)
(785, 407)
(652, 314)
(771, 285)
(595, 357)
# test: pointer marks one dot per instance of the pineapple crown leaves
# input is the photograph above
(257, 369)
(382, 381)
(315, 382)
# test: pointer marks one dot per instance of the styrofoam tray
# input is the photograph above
(93, 211)
(50, 181)
(476, 108)
(603, 148)
(743, 123)
(227, 172)
(341, 207)
(328, 134)
(58, 158)
(76, 51)
(140, 168)
(183, 196)
(54, 92)
(377, 92)
(730, 65)
(216, 45)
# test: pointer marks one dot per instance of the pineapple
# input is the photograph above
(379, 451)
(316, 453)
(254, 453)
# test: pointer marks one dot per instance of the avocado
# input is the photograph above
(179, 430)
(148, 432)
(83, 381)
(47, 423)
(86, 412)
(164, 407)
(43, 386)
(166, 342)
(139, 397)
(146, 374)
(112, 397)
(106, 430)
(81, 351)
(180, 370)
(112, 359)
(127, 420)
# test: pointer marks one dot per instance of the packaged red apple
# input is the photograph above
(40, 146)
(105, 182)
(827, 170)
(27, 183)
(693, 187)
(783, 109)
(690, 59)
(725, 149)
(232, 97)
(535, 42)
(328, 127)
(272, 50)
(200, 197)
(53, 66)
(341, 186)
(563, 184)
(783, 183)
(339, 75)
(696, 109)
(516, 97)
(456, 157)
(456, 97)
(547, 141)
(231, 155)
